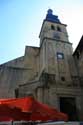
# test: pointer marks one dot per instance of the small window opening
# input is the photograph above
(16, 93)
(78, 55)
(58, 29)
(52, 27)
(63, 78)
(60, 55)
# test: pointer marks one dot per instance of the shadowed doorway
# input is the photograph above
(68, 106)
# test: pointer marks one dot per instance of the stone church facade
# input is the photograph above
(52, 73)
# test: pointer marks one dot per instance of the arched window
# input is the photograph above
(58, 29)
(52, 27)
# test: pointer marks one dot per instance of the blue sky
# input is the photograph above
(21, 20)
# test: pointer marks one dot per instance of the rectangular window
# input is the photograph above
(60, 55)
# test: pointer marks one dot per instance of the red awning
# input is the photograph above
(28, 109)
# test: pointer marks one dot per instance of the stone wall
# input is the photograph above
(60, 67)
(10, 78)
(31, 62)
(48, 33)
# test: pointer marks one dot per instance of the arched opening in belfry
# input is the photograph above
(58, 29)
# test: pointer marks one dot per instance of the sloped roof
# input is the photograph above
(79, 47)
(52, 18)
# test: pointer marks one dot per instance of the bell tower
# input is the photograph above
(52, 28)
(55, 49)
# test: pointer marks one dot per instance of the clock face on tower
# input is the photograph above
(56, 36)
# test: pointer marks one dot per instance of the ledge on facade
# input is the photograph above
(35, 47)
(54, 40)
(29, 82)
(16, 68)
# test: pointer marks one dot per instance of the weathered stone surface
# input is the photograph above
(49, 72)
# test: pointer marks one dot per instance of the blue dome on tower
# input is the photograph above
(50, 11)
(52, 18)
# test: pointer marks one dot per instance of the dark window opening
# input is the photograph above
(16, 93)
(52, 27)
(68, 106)
(63, 78)
(78, 55)
(59, 29)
